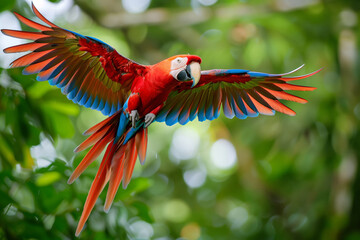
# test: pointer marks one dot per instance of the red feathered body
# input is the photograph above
(151, 89)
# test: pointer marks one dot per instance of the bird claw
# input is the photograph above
(134, 117)
(149, 118)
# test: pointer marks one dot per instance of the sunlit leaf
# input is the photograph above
(64, 108)
(47, 178)
(39, 89)
(6, 151)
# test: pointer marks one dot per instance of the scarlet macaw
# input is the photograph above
(175, 90)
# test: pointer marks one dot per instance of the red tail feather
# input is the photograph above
(117, 168)
(99, 125)
(92, 139)
(129, 163)
(141, 144)
(117, 165)
(97, 186)
(90, 157)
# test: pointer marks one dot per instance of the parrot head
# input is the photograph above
(185, 68)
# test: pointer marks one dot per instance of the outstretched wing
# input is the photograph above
(88, 71)
(241, 93)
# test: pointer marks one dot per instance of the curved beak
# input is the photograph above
(194, 71)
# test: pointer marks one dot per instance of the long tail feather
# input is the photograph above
(89, 158)
(117, 164)
(117, 168)
(141, 144)
(130, 158)
(99, 125)
(92, 139)
(96, 188)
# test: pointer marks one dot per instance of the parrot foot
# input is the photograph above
(134, 117)
(149, 118)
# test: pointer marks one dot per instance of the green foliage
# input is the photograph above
(294, 177)
(7, 5)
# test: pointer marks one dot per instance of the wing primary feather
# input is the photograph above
(251, 109)
(23, 47)
(270, 86)
(54, 40)
(233, 95)
(39, 15)
(209, 107)
(265, 93)
(23, 34)
(27, 59)
(201, 106)
(55, 61)
(185, 112)
(300, 77)
(238, 100)
(226, 103)
(261, 108)
(278, 106)
(258, 98)
(287, 86)
(287, 96)
(31, 23)
(35, 68)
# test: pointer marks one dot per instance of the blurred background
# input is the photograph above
(270, 177)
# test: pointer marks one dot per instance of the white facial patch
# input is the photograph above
(177, 65)
(179, 62)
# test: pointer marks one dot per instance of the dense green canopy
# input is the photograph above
(270, 177)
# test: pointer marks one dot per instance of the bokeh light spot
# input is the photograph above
(176, 210)
(191, 231)
(136, 6)
(142, 230)
(195, 178)
(207, 2)
(237, 217)
(223, 154)
(185, 144)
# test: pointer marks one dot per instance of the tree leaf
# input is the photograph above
(47, 179)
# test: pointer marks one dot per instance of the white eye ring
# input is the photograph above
(178, 60)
